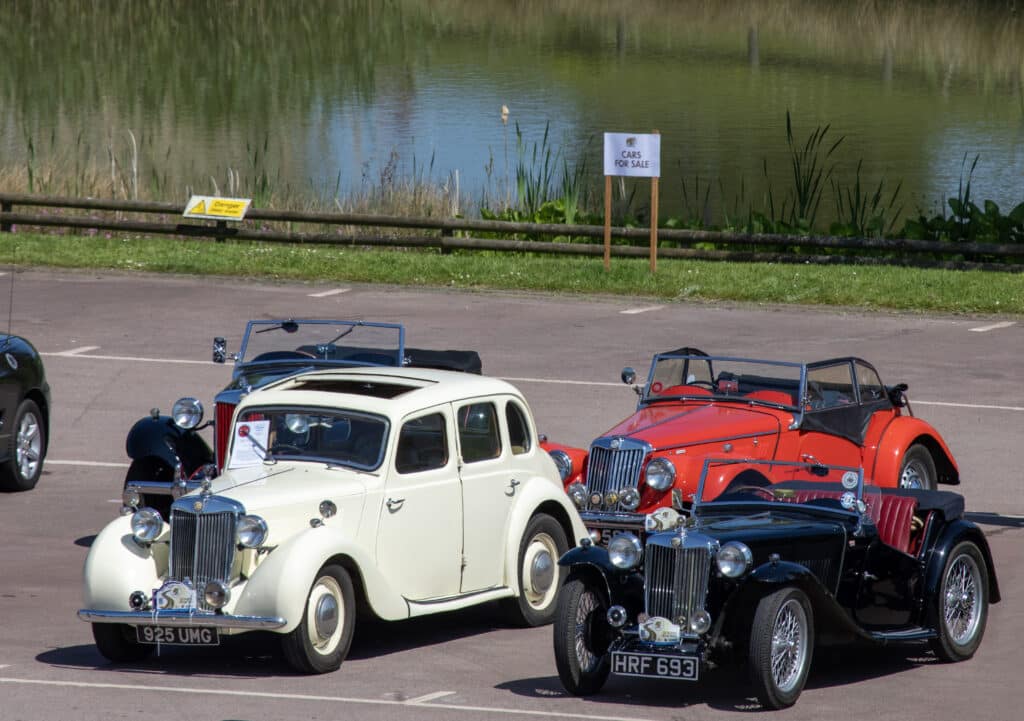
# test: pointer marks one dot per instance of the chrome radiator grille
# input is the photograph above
(676, 580)
(203, 543)
(614, 464)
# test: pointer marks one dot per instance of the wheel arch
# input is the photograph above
(903, 433)
(955, 533)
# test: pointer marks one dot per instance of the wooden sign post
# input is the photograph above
(638, 156)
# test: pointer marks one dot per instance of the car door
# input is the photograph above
(419, 535)
(488, 490)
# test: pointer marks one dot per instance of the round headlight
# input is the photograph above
(625, 551)
(563, 463)
(147, 525)
(578, 494)
(660, 474)
(630, 499)
(252, 531)
(217, 594)
(187, 413)
(700, 621)
(131, 498)
(734, 559)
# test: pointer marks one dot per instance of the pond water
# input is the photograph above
(326, 99)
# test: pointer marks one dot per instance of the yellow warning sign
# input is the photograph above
(215, 208)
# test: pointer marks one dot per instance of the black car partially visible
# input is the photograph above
(24, 414)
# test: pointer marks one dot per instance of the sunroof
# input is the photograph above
(353, 387)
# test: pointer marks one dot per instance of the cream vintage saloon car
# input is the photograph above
(403, 491)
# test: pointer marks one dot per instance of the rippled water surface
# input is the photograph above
(327, 98)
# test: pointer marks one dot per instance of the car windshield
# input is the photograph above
(344, 342)
(334, 436)
(757, 483)
(679, 375)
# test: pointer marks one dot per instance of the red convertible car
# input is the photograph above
(693, 406)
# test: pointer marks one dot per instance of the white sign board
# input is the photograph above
(636, 155)
(212, 207)
(250, 445)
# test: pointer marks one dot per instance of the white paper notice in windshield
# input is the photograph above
(250, 445)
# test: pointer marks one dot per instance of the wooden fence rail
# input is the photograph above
(453, 233)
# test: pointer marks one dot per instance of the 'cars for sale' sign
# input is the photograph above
(637, 155)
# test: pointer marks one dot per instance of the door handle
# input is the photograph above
(395, 504)
(512, 487)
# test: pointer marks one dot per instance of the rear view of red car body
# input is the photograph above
(693, 406)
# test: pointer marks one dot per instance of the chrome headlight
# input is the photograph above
(147, 524)
(625, 551)
(734, 559)
(252, 531)
(131, 498)
(563, 463)
(630, 499)
(578, 493)
(217, 594)
(187, 413)
(660, 474)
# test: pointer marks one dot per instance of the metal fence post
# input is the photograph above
(5, 208)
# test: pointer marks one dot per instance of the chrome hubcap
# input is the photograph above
(29, 446)
(962, 608)
(789, 645)
(540, 571)
(325, 609)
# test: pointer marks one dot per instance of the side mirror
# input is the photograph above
(628, 376)
(220, 350)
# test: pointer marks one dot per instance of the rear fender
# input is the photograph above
(954, 533)
(160, 439)
(901, 434)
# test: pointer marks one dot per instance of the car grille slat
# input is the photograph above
(614, 465)
(676, 581)
(202, 547)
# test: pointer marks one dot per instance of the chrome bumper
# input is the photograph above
(183, 619)
(162, 488)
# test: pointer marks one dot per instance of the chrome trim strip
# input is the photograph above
(158, 487)
(180, 619)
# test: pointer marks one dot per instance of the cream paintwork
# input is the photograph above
(287, 496)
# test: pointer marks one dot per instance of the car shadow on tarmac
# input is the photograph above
(258, 653)
(728, 689)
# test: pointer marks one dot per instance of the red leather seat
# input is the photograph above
(892, 518)
(770, 396)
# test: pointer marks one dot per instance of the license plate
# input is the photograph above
(175, 636)
(655, 665)
(607, 534)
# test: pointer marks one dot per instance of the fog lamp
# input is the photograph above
(578, 494)
(616, 617)
(216, 594)
(630, 499)
(700, 621)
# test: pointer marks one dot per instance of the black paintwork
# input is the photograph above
(26, 378)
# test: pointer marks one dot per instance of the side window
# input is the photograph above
(871, 388)
(479, 437)
(518, 428)
(829, 387)
(422, 445)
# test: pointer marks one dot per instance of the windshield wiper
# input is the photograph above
(288, 326)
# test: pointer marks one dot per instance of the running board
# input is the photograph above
(907, 634)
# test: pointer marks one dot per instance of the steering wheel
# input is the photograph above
(283, 355)
(701, 382)
(285, 447)
(766, 491)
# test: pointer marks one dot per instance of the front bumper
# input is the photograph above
(183, 619)
(176, 489)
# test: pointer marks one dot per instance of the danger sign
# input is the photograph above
(212, 207)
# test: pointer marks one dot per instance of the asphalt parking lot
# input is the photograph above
(116, 345)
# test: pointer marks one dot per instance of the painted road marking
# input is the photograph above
(547, 713)
(994, 326)
(558, 381)
(98, 464)
(429, 697)
(634, 311)
(326, 293)
(77, 351)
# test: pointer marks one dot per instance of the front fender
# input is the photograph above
(901, 434)
(538, 495)
(624, 588)
(116, 566)
(279, 585)
(161, 439)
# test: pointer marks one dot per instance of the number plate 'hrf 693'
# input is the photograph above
(655, 665)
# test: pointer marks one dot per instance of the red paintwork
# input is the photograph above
(688, 431)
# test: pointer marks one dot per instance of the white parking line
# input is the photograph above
(967, 405)
(994, 326)
(428, 697)
(78, 350)
(98, 464)
(634, 311)
(308, 697)
(560, 382)
(135, 359)
(326, 293)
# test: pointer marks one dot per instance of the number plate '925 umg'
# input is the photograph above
(655, 665)
(188, 636)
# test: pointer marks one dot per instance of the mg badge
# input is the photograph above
(197, 506)
(616, 444)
